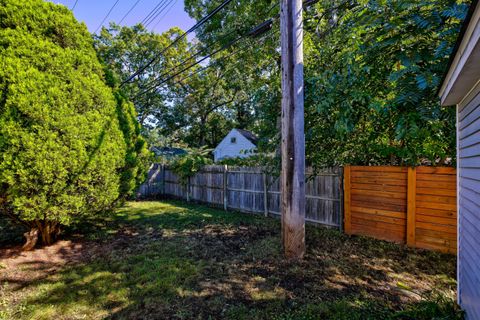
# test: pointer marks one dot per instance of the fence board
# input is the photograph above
(417, 205)
(249, 189)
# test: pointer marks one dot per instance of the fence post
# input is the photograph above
(163, 180)
(341, 197)
(347, 198)
(411, 205)
(225, 182)
(265, 194)
(188, 189)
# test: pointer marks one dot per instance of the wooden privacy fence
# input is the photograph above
(416, 206)
(250, 190)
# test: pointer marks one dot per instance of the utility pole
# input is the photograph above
(293, 136)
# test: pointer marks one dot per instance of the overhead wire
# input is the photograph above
(74, 5)
(182, 36)
(129, 11)
(255, 31)
(216, 62)
(152, 12)
(221, 38)
(158, 11)
(195, 55)
(108, 14)
(263, 38)
(162, 81)
(166, 12)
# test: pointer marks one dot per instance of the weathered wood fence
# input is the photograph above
(416, 206)
(250, 190)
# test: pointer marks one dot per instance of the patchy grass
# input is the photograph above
(169, 260)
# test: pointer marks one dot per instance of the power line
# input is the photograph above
(152, 11)
(155, 86)
(197, 53)
(191, 66)
(196, 26)
(128, 12)
(254, 32)
(159, 12)
(149, 18)
(105, 18)
(217, 61)
(166, 12)
(74, 5)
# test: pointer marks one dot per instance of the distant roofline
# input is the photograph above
(248, 135)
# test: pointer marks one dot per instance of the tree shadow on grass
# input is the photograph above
(175, 261)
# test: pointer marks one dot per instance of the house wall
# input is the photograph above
(468, 140)
(227, 149)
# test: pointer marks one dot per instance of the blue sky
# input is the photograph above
(92, 13)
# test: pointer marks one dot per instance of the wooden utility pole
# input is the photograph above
(293, 136)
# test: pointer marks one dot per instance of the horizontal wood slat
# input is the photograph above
(374, 187)
(437, 170)
(382, 234)
(378, 207)
(378, 168)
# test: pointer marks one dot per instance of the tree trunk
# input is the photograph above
(31, 239)
(49, 233)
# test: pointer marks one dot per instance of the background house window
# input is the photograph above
(233, 140)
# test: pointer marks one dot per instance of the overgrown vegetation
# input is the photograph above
(185, 166)
(373, 72)
(67, 149)
(177, 261)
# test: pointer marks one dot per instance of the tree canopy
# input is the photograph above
(372, 69)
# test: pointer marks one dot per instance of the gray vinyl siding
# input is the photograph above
(469, 207)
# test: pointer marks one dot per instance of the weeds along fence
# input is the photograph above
(249, 189)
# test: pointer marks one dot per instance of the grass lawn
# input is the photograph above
(169, 260)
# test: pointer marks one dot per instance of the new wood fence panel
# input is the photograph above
(416, 206)
(378, 202)
(437, 199)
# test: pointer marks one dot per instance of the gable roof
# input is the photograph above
(250, 136)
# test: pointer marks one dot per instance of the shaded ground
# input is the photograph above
(155, 260)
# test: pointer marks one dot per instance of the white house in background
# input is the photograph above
(461, 87)
(238, 143)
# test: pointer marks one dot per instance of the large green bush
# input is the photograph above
(62, 151)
